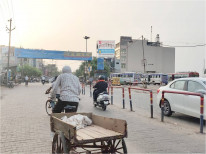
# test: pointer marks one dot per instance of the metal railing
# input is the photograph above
(185, 93)
(141, 89)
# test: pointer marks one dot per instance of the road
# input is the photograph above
(25, 126)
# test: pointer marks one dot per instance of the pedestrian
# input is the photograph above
(26, 80)
(69, 90)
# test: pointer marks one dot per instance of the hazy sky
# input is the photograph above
(62, 24)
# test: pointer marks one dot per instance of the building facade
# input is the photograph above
(121, 52)
(145, 57)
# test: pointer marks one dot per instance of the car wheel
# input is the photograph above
(167, 108)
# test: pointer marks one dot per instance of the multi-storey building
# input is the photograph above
(144, 56)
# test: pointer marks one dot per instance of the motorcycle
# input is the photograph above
(102, 100)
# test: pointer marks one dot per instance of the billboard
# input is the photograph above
(100, 63)
(106, 48)
(52, 54)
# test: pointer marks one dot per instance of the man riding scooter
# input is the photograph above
(100, 87)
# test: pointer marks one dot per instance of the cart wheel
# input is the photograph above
(59, 144)
(114, 146)
(48, 107)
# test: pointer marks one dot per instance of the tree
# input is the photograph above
(93, 63)
(52, 70)
(30, 71)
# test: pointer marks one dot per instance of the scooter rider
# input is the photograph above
(100, 87)
(43, 79)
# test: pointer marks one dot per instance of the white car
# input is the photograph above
(186, 104)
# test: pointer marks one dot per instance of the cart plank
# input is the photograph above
(95, 132)
(84, 136)
(103, 131)
(116, 125)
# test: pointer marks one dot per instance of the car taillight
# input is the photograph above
(158, 90)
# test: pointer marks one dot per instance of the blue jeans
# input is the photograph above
(52, 103)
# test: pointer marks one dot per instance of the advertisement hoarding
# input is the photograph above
(52, 54)
(106, 48)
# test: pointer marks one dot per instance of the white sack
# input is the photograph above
(79, 121)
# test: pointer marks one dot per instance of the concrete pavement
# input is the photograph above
(25, 125)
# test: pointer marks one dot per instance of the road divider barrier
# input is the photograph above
(185, 93)
(141, 89)
(123, 100)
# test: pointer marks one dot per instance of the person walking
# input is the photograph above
(26, 80)
(70, 90)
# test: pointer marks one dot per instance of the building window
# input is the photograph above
(123, 65)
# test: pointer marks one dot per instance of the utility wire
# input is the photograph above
(8, 8)
(12, 9)
(3, 17)
(174, 46)
(199, 45)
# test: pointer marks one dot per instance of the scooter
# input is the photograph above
(43, 82)
(102, 100)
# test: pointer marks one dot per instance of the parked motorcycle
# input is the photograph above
(102, 100)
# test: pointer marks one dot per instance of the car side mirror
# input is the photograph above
(201, 91)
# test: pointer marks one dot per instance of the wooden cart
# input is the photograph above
(105, 135)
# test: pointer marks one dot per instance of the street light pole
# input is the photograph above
(143, 54)
(86, 38)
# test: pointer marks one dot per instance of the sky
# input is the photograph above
(62, 24)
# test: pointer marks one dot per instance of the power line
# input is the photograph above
(198, 45)
(3, 17)
(174, 46)
(12, 9)
(8, 8)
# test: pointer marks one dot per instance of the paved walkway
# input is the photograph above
(25, 125)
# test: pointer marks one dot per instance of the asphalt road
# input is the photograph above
(25, 125)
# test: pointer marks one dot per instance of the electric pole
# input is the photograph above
(9, 29)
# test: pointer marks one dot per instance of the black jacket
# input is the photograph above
(101, 86)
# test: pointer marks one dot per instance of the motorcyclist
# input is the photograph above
(43, 79)
(100, 87)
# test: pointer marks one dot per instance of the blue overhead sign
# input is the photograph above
(100, 63)
(52, 54)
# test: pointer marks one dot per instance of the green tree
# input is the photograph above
(52, 70)
(93, 63)
(30, 71)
